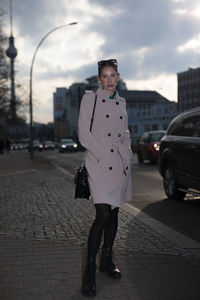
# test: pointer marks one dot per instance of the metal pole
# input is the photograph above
(12, 79)
(11, 19)
(31, 75)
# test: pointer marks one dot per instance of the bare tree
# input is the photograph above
(21, 93)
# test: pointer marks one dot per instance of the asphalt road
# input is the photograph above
(148, 195)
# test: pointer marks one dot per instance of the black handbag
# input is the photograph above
(82, 189)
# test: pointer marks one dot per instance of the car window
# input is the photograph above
(176, 129)
(197, 128)
(187, 127)
(145, 137)
(66, 141)
(157, 136)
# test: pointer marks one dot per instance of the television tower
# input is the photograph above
(12, 53)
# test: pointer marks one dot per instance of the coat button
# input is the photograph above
(109, 134)
(119, 134)
(117, 103)
(111, 150)
(121, 117)
(126, 168)
(107, 116)
(110, 168)
(103, 100)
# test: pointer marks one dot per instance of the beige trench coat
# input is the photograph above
(108, 152)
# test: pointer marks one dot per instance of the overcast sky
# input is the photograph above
(152, 40)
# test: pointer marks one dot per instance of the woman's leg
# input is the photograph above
(103, 212)
(111, 227)
(103, 216)
(106, 264)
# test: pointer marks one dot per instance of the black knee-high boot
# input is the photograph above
(94, 240)
(107, 265)
(89, 279)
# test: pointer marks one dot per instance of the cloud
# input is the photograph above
(151, 25)
(152, 40)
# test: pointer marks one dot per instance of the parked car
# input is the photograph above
(37, 145)
(179, 157)
(149, 145)
(48, 145)
(67, 145)
(18, 146)
(13, 146)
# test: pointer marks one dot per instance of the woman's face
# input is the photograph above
(108, 78)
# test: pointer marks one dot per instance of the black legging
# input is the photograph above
(106, 220)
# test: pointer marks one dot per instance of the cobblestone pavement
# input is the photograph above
(43, 234)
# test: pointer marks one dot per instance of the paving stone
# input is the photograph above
(43, 241)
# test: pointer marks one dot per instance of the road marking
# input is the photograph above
(174, 236)
(64, 171)
(18, 172)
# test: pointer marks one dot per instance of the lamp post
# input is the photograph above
(31, 75)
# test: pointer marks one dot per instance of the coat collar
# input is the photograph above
(100, 92)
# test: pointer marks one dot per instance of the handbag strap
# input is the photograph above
(91, 122)
(92, 118)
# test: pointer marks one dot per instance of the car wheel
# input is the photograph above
(140, 158)
(170, 186)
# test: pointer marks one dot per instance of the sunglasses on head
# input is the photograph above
(101, 62)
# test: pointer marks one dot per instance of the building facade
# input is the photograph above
(66, 107)
(188, 89)
(147, 110)
(144, 118)
(59, 109)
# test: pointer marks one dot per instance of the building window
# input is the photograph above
(158, 111)
(155, 127)
(147, 127)
(135, 128)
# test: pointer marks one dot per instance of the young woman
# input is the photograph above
(107, 159)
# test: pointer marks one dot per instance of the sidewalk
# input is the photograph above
(43, 236)
(19, 161)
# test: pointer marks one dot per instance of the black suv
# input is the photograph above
(179, 155)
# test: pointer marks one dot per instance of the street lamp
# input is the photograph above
(31, 75)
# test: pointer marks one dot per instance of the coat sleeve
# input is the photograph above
(126, 142)
(126, 138)
(86, 137)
